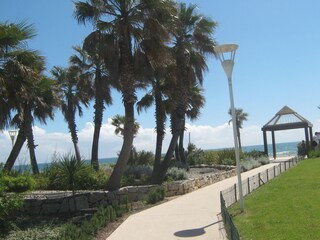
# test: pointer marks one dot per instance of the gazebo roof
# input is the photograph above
(285, 119)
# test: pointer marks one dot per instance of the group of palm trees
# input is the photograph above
(155, 45)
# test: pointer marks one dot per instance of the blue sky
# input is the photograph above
(277, 64)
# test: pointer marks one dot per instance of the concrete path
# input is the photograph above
(191, 216)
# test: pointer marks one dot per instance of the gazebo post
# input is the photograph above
(307, 138)
(273, 145)
(265, 142)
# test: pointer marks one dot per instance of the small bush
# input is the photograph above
(90, 227)
(229, 162)
(314, 153)
(156, 195)
(141, 158)
(196, 157)
(176, 174)
(136, 175)
(66, 173)
(20, 183)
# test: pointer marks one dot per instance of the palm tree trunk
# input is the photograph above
(160, 127)
(177, 153)
(74, 137)
(96, 134)
(239, 138)
(98, 115)
(31, 146)
(126, 66)
(21, 138)
(181, 148)
(158, 175)
(128, 133)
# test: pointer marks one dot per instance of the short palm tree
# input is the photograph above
(241, 116)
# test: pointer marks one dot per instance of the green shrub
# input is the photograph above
(90, 227)
(66, 173)
(41, 181)
(254, 154)
(176, 174)
(196, 157)
(9, 204)
(229, 162)
(251, 163)
(211, 158)
(314, 153)
(136, 175)
(20, 183)
(141, 158)
(156, 195)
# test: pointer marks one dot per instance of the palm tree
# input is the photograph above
(33, 97)
(96, 58)
(24, 89)
(13, 37)
(192, 42)
(127, 21)
(72, 96)
(161, 85)
(240, 118)
(195, 103)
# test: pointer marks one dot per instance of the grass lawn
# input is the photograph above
(288, 207)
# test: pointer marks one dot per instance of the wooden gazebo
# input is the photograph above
(286, 119)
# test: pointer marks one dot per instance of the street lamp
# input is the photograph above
(226, 54)
(12, 134)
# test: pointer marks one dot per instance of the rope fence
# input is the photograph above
(231, 195)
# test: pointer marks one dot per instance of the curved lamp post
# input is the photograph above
(12, 134)
(226, 54)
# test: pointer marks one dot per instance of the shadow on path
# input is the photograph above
(194, 232)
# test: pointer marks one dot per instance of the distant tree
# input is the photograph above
(240, 118)
(119, 122)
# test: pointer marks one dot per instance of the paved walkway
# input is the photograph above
(195, 215)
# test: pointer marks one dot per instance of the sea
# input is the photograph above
(282, 149)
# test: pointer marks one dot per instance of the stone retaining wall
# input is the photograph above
(61, 202)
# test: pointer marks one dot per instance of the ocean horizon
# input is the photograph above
(282, 149)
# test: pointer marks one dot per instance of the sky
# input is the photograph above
(277, 64)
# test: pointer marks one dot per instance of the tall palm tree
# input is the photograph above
(192, 42)
(127, 21)
(33, 97)
(195, 102)
(96, 58)
(72, 97)
(13, 37)
(241, 116)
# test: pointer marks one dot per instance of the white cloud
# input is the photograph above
(203, 136)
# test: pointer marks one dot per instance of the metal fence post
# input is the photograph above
(235, 191)
(248, 185)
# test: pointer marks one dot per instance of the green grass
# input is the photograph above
(286, 208)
